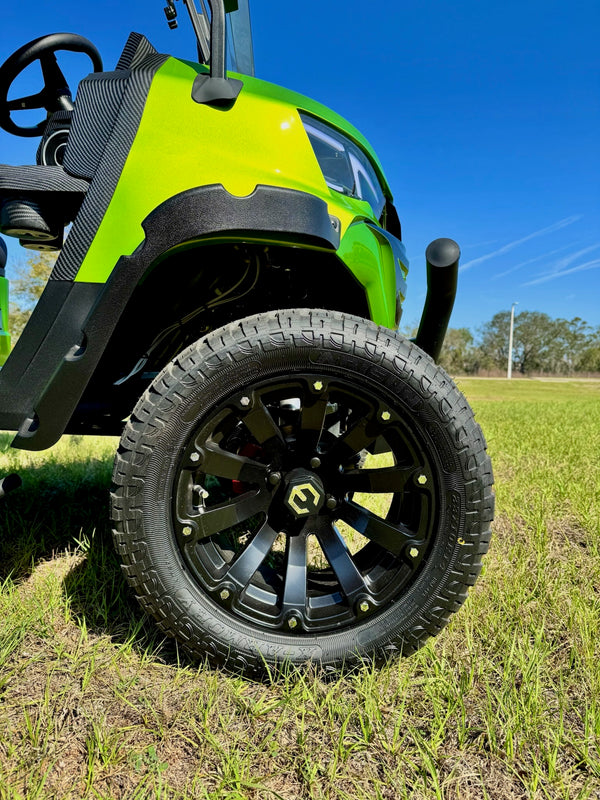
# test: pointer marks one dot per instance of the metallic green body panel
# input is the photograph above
(300, 101)
(371, 260)
(4, 334)
(260, 140)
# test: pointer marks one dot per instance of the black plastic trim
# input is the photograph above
(54, 331)
(392, 220)
(65, 359)
(215, 91)
(270, 211)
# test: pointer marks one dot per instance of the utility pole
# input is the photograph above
(510, 340)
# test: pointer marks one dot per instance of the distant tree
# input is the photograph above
(536, 341)
(494, 341)
(459, 355)
(589, 357)
(540, 343)
(409, 329)
(26, 289)
(574, 337)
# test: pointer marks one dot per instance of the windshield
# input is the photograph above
(240, 53)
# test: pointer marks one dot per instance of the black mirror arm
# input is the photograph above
(215, 88)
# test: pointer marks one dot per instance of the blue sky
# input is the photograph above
(486, 117)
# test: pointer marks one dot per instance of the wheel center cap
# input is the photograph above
(304, 493)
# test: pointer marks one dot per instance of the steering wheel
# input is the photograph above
(56, 95)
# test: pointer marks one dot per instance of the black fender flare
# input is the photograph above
(270, 213)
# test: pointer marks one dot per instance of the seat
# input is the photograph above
(37, 202)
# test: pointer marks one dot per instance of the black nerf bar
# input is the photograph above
(442, 276)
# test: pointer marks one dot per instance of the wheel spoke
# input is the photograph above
(252, 557)
(386, 479)
(391, 536)
(338, 555)
(294, 593)
(262, 426)
(223, 464)
(312, 420)
(223, 516)
(357, 438)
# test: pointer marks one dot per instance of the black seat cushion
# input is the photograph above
(36, 202)
(33, 182)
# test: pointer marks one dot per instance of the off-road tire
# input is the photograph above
(216, 371)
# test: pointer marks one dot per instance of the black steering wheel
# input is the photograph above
(56, 95)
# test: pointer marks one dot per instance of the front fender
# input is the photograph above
(269, 214)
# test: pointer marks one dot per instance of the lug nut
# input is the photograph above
(187, 531)
(224, 595)
(318, 386)
(274, 478)
(385, 416)
(413, 552)
(364, 606)
(331, 502)
(315, 463)
(245, 401)
(195, 456)
(422, 479)
(292, 622)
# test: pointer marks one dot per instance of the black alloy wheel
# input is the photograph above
(279, 465)
(254, 524)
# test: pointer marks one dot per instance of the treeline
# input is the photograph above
(541, 344)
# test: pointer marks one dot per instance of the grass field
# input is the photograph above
(504, 704)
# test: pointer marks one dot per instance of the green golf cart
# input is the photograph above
(295, 481)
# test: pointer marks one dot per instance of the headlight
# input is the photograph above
(345, 167)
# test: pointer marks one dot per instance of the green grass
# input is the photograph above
(504, 704)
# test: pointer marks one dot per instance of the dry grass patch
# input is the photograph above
(504, 704)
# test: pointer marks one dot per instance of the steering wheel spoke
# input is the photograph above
(26, 103)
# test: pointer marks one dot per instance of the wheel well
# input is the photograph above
(194, 291)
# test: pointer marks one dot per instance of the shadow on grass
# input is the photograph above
(57, 506)
(64, 507)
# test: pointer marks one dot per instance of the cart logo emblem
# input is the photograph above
(304, 499)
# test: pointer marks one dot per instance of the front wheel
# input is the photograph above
(255, 522)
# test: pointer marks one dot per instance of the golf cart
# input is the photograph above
(295, 481)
